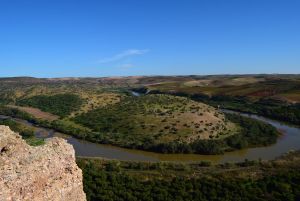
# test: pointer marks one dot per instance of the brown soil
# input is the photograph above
(37, 113)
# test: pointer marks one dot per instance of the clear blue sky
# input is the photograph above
(57, 38)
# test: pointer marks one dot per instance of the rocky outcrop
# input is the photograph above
(46, 172)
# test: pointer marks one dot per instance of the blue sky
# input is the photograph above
(59, 38)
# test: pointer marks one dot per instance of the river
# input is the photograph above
(290, 140)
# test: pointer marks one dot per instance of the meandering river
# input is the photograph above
(290, 140)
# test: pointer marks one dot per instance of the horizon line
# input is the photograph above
(153, 75)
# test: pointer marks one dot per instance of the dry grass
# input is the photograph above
(291, 97)
(37, 113)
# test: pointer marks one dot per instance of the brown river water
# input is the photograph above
(290, 140)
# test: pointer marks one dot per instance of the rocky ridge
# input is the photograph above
(47, 172)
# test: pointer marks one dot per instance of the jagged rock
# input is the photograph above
(46, 172)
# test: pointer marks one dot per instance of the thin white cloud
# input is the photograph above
(123, 55)
(126, 66)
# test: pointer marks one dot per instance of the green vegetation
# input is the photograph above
(127, 125)
(275, 98)
(252, 133)
(63, 126)
(26, 132)
(273, 109)
(146, 122)
(14, 112)
(135, 111)
(251, 180)
(280, 87)
(102, 110)
(60, 104)
(69, 127)
(266, 107)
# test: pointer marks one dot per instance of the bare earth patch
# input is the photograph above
(37, 113)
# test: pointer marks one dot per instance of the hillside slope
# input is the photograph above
(158, 119)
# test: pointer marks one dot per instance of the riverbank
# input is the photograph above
(290, 140)
(247, 133)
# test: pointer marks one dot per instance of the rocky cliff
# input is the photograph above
(46, 172)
